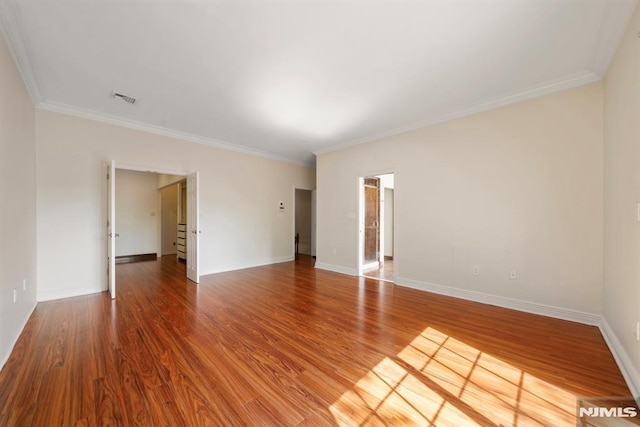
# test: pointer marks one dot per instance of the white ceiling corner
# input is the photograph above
(614, 22)
(285, 79)
(17, 47)
(512, 98)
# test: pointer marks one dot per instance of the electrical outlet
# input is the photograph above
(15, 295)
(475, 270)
(24, 284)
(513, 274)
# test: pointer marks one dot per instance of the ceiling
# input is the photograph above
(288, 78)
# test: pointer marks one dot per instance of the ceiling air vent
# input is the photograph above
(124, 98)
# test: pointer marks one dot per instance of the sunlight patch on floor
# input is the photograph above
(440, 381)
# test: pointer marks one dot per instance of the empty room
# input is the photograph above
(320, 213)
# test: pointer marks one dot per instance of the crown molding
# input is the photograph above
(158, 130)
(615, 19)
(546, 88)
(17, 47)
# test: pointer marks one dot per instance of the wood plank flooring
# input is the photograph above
(290, 345)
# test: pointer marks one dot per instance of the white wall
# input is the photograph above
(518, 187)
(239, 195)
(303, 220)
(17, 204)
(169, 219)
(621, 193)
(136, 213)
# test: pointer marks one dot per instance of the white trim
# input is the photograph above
(546, 88)
(66, 293)
(612, 27)
(5, 357)
(504, 302)
(360, 202)
(151, 169)
(18, 49)
(375, 173)
(627, 368)
(270, 261)
(374, 265)
(617, 12)
(158, 130)
(337, 269)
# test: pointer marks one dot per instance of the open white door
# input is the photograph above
(193, 228)
(111, 227)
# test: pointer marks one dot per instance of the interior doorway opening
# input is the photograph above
(377, 226)
(304, 223)
(148, 216)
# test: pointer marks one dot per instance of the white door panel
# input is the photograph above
(193, 228)
(111, 227)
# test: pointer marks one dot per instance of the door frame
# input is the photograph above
(367, 262)
(293, 221)
(127, 166)
(111, 225)
(360, 212)
(193, 227)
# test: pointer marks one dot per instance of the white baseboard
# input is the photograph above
(66, 293)
(514, 304)
(282, 259)
(628, 369)
(337, 269)
(5, 357)
(277, 260)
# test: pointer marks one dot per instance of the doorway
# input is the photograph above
(304, 223)
(376, 226)
(170, 214)
(134, 215)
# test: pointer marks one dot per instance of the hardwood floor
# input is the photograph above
(290, 345)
